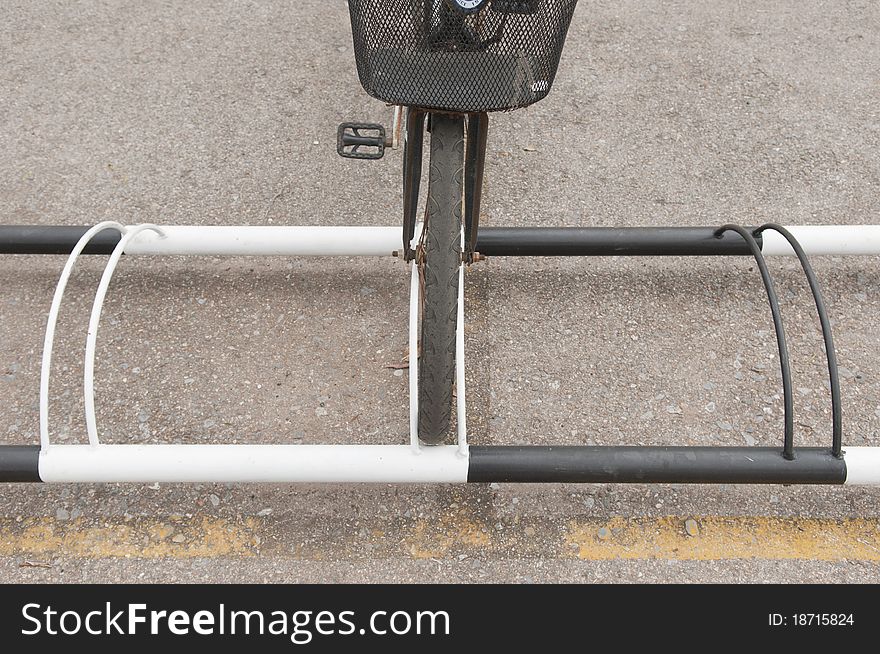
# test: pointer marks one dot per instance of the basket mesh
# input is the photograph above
(502, 54)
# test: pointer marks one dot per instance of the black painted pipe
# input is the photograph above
(37, 239)
(607, 241)
(19, 463)
(643, 465)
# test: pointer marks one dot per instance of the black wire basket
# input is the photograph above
(459, 55)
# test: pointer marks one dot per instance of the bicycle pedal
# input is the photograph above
(360, 141)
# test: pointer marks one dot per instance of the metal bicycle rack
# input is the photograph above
(413, 462)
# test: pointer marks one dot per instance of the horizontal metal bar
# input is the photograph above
(269, 241)
(862, 466)
(672, 465)
(440, 464)
(607, 241)
(253, 463)
(849, 240)
(492, 241)
(37, 239)
(19, 463)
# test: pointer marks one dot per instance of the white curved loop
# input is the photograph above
(49, 339)
(94, 319)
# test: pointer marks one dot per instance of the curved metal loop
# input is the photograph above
(49, 338)
(830, 354)
(788, 403)
(94, 319)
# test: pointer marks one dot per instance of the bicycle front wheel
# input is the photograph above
(441, 260)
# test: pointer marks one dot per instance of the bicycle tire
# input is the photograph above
(442, 259)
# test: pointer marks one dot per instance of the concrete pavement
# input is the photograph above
(225, 113)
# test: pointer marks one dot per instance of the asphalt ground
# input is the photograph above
(663, 113)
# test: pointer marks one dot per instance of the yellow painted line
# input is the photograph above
(435, 539)
(716, 538)
(453, 535)
(136, 538)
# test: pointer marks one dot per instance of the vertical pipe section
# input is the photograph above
(460, 392)
(414, 295)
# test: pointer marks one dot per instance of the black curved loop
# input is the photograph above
(788, 403)
(830, 354)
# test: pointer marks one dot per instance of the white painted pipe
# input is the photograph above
(460, 391)
(253, 463)
(862, 466)
(269, 241)
(414, 296)
(825, 239)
